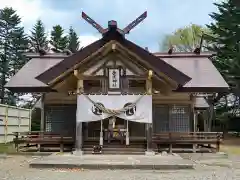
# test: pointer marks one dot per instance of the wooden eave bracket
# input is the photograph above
(76, 74)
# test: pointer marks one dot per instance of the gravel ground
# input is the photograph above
(16, 168)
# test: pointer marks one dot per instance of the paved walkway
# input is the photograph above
(17, 167)
(158, 162)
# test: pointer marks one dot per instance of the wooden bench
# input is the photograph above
(41, 138)
(191, 138)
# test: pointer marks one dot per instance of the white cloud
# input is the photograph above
(87, 39)
(31, 10)
(27, 10)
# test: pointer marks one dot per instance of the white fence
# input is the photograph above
(13, 119)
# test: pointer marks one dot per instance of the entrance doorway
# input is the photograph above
(115, 132)
(136, 131)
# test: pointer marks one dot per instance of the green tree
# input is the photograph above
(185, 39)
(58, 40)
(225, 41)
(73, 42)
(13, 43)
(20, 44)
(38, 37)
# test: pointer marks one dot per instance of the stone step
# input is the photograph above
(118, 153)
(113, 162)
(115, 146)
(119, 149)
(115, 142)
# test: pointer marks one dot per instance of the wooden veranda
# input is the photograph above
(212, 140)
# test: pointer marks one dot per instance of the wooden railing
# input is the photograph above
(39, 138)
(194, 138)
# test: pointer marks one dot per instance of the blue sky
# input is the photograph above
(164, 16)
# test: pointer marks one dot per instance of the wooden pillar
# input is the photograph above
(195, 120)
(205, 121)
(149, 83)
(101, 134)
(193, 113)
(149, 137)
(127, 134)
(79, 136)
(218, 142)
(79, 129)
(42, 124)
(85, 129)
(149, 125)
(194, 116)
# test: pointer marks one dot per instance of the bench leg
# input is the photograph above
(158, 148)
(194, 148)
(38, 147)
(170, 148)
(17, 147)
(61, 147)
(218, 146)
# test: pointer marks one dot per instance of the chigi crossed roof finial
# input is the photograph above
(113, 24)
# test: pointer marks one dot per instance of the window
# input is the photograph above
(179, 118)
(92, 86)
(136, 85)
(171, 118)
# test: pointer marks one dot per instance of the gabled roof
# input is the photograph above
(192, 72)
(205, 76)
(155, 63)
(24, 80)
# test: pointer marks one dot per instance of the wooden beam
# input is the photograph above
(166, 87)
(66, 85)
(108, 59)
(101, 51)
(84, 77)
(132, 60)
(84, 67)
(124, 50)
(125, 63)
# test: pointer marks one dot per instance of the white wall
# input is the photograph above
(13, 119)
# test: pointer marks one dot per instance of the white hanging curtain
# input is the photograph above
(136, 108)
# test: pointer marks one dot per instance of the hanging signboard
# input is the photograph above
(114, 78)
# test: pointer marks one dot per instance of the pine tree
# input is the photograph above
(20, 44)
(73, 42)
(13, 43)
(225, 42)
(58, 40)
(38, 37)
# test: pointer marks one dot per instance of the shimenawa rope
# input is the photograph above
(113, 111)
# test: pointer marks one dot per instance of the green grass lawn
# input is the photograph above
(7, 148)
(231, 149)
(231, 145)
